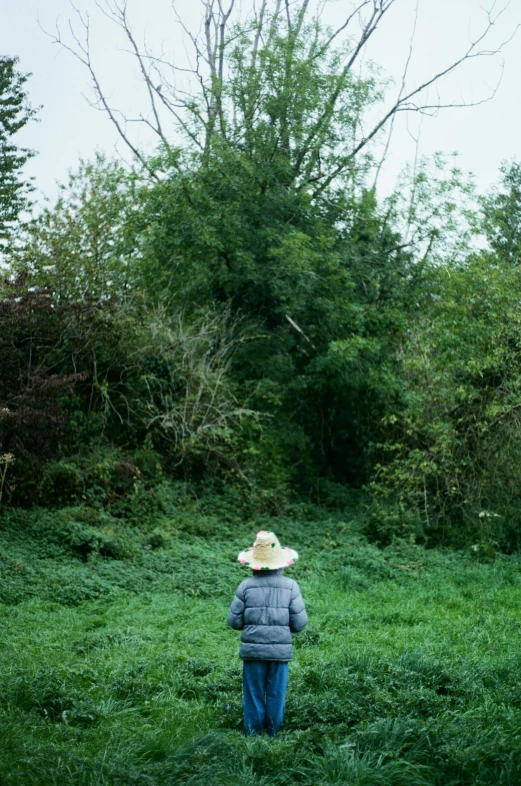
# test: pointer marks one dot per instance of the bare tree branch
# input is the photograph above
(380, 8)
(288, 16)
(356, 12)
(210, 45)
(259, 21)
(119, 15)
(203, 114)
(400, 94)
(405, 104)
(82, 53)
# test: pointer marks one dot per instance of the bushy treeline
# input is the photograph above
(245, 309)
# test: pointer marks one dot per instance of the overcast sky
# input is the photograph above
(69, 128)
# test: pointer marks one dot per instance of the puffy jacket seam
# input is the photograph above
(267, 644)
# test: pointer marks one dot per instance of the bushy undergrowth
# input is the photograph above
(118, 668)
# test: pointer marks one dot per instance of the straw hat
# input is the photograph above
(267, 553)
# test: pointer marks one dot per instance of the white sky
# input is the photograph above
(69, 128)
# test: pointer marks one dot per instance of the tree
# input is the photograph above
(15, 113)
(502, 214)
(259, 203)
(84, 246)
(252, 70)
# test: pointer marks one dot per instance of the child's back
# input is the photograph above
(267, 608)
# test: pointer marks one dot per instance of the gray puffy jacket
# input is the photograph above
(267, 607)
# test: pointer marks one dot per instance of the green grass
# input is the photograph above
(116, 665)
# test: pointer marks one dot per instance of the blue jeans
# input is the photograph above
(264, 684)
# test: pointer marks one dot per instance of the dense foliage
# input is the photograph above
(327, 355)
(247, 307)
(15, 112)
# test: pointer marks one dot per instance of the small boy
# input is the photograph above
(266, 607)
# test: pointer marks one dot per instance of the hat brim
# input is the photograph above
(283, 559)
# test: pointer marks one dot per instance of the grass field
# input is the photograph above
(116, 665)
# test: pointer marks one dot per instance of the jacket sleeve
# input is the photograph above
(298, 618)
(236, 613)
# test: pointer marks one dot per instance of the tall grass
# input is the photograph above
(117, 666)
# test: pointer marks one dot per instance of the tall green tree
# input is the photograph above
(265, 210)
(15, 113)
(260, 205)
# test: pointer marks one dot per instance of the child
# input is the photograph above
(266, 607)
